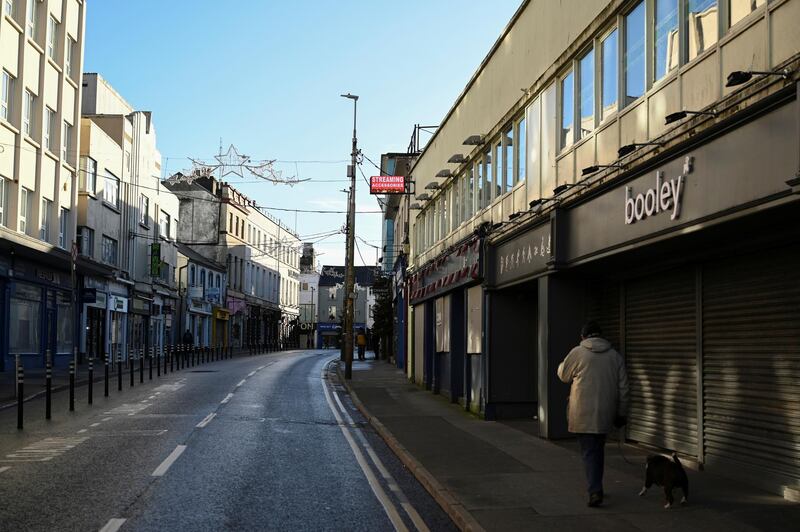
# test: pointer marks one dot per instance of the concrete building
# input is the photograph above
(645, 176)
(142, 246)
(201, 285)
(330, 302)
(41, 57)
(260, 253)
(309, 288)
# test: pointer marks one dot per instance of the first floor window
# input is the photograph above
(332, 313)
(25, 208)
(44, 230)
(144, 210)
(63, 228)
(5, 95)
(741, 8)
(109, 251)
(163, 224)
(702, 25)
(86, 242)
(111, 190)
(88, 175)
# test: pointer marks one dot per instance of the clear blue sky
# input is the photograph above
(266, 76)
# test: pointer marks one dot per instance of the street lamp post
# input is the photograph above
(350, 271)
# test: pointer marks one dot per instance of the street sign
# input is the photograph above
(155, 259)
(387, 184)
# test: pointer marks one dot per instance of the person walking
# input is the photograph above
(598, 400)
(362, 344)
(187, 338)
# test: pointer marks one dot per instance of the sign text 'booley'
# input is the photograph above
(666, 196)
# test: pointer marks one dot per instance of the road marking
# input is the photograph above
(168, 461)
(251, 373)
(206, 420)
(128, 409)
(94, 424)
(241, 382)
(82, 431)
(45, 450)
(377, 489)
(227, 398)
(152, 397)
(106, 419)
(261, 367)
(5, 468)
(113, 524)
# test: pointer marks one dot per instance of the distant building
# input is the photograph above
(331, 302)
(201, 284)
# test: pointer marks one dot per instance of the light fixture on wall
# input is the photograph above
(457, 158)
(794, 184)
(592, 169)
(680, 115)
(563, 187)
(433, 185)
(444, 173)
(514, 215)
(422, 197)
(630, 148)
(740, 77)
(473, 140)
(415, 207)
(537, 204)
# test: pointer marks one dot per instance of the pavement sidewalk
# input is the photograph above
(502, 476)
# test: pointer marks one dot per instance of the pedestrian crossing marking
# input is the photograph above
(128, 409)
(46, 449)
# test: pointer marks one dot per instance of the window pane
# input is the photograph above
(66, 313)
(587, 94)
(24, 312)
(508, 157)
(567, 110)
(634, 54)
(498, 170)
(480, 180)
(549, 124)
(609, 73)
(741, 8)
(3, 197)
(534, 163)
(470, 183)
(666, 37)
(522, 156)
(5, 95)
(702, 25)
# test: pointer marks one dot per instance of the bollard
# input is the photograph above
(193, 355)
(150, 364)
(20, 391)
(90, 390)
(72, 385)
(132, 364)
(106, 379)
(166, 357)
(48, 386)
(172, 359)
(119, 372)
(141, 365)
(158, 362)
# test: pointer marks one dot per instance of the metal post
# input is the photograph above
(91, 379)
(158, 362)
(132, 364)
(172, 359)
(164, 356)
(105, 391)
(20, 390)
(150, 364)
(72, 385)
(119, 372)
(141, 365)
(48, 385)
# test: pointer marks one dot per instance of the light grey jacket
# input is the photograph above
(599, 390)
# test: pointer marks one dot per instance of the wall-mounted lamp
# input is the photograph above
(514, 215)
(473, 140)
(589, 170)
(630, 148)
(537, 204)
(444, 173)
(415, 207)
(680, 115)
(433, 185)
(740, 77)
(794, 183)
(422, 197)
(566, 186)
(457, 158)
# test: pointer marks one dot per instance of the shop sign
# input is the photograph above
(526, 255)
(665, 197)
(155, 259)
(212, 294)
(89, 295)
(329, 326)
(195, 292)
(335, 273)
(459, 267)
(236, 305)
(221, 314)
(387, 184)
(117, 304)
(140, 306)
(92, 282)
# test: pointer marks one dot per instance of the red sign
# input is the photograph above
(387, 184)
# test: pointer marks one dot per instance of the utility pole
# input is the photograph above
(350, 270)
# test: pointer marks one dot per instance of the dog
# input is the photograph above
(668, 474)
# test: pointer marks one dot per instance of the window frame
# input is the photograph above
(31, 21)
(565, 143)
(45, 219)
(164, 221)
(63, 227)
(8, 8)
(66, 141)
(6, 95)
(85, 163)
(49, 128)
(52, 34)
(107, 243)
(144, 210)
(69, 54)
(3, 201)
(579, 77)
(28, 112)
(25, 208)
(507, 137)
(115, 181)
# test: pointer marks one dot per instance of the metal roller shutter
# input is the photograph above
(660, 350)
(751, 364)
(604, 307)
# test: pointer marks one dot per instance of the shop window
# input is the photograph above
(567, 135)
(609, 71)
(586, 94)
(66, 316)
(635, 74)
(702, 25)
(739, 9)
(25, 313)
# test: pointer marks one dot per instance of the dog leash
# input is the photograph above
(619, 444)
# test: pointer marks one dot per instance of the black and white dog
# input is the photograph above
(668, 474)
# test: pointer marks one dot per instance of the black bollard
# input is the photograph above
(119, 372)
(158, 362)
(72, 385)
(90, 390)
(20, 391)
(172, 359)
(164, 356)
(150, 364)
(132, 364)
(48, 386)
(105, 394)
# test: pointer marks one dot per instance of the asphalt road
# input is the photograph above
(269, 442)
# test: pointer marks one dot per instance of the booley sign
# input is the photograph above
(666, 196)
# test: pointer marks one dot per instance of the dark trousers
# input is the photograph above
(361, 349)
(593, 454)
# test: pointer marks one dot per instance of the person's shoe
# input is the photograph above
(595, 500)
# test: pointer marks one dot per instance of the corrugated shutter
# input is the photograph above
(660, 350)
(751, 363)
(604, 307)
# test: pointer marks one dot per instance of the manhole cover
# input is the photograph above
(203, 371)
